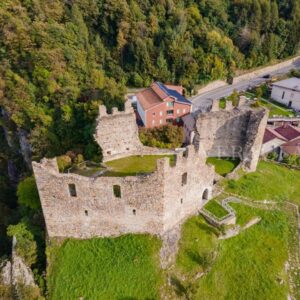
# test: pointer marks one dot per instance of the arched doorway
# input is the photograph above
(206, 195)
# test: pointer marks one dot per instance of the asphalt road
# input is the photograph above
(204, 101)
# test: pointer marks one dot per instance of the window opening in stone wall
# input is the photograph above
(184, 179)
(181, 200)
(72, 190)
(134, 211)
(117, 191)
(86, 212)
(108, 152)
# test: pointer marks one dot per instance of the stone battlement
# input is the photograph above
(83, 207)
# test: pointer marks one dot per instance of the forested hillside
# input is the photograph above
(60, 58)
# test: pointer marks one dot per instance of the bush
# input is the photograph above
(272, 156)
(26, 245)
(64, 162)
(28, 194)
(167, 136)
(292, 160)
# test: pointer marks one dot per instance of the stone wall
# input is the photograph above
(151, 203)
(117, 133)
(235, 133)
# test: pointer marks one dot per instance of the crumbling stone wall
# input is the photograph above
(232, 133)
(151, 203)
(117, 133)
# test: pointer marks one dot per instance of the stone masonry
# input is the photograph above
(117, 134)
(237, 132)
(152, 203)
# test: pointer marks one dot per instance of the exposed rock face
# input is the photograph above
(6, 274)
(25, 147)
(152, 203)
(235, 133)
(21, 273)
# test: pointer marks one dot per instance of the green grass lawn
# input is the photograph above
(216, 209)
(198, 241)
(223, 166)
(270, 181)
(110, 268)
(276, 109)
(247, 266)
(250, 265)
(133, 165)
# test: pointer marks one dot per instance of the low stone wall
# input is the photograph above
(212, 86)
(265, 70)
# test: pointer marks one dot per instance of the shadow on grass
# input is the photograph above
(208, 229)
(179, 288)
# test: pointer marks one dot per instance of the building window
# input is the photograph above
(127, 149)
(178, 111)
(283, 95)
(153, 114)
(134, 212)
(72, 190)
(181, 201)
(161, 113)
(170, 121)
(170, 104)
(153, 122)
(170, 112)
(117, 191)
(184, 110)
(108, 152)
(184, 179)
(86, 212)
(160, 121)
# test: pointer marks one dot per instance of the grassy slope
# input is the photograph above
(198, 240)
(250, 265)
(216, 209)
(110, 268)
(133, 165)
(223, 166)
(270, 181)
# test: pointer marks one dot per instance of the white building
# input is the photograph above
(287, 92)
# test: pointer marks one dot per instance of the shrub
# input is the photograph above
(28, 194)
(26, 245)
(292, 160)
(167, 136)
(64, 162)
(272, 156)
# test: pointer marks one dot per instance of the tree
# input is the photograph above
(28, 194)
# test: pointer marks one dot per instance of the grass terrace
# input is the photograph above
(223, 166)
(216, 209)
(133, 165)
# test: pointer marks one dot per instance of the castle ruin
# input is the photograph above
(83, 207)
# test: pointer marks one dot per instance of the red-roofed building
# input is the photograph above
(161, 104)
(288, 131)
(272, 141)
(292, 147)
(285, 140)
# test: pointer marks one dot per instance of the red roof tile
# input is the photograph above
(271, 134)
(288, 131)
(292, 147)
